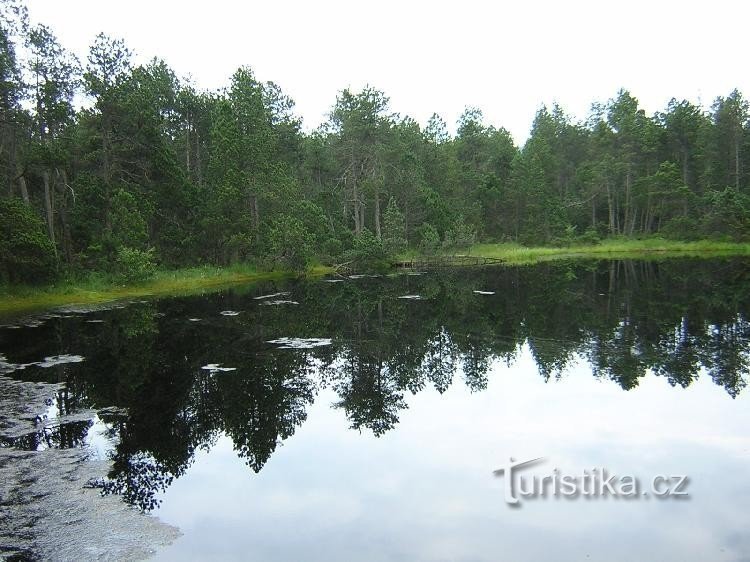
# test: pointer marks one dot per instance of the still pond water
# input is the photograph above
(362, 418)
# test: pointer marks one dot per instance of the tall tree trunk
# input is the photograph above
(357, 210)
(66, 242)
(593, 212)
(377, 213)
(254, 212)
(627, 210)
(187, 150)
(198, 171)
(107, 171)
(24, 189)
(611, 210)
(685, 155)
(737, 160)
(48, 208)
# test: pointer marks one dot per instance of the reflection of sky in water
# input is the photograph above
(425, 491)
(99, 442)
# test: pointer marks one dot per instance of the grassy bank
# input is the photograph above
(96, 289)
(646, 248)
(610, 249)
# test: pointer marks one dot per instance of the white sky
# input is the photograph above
(507, 58)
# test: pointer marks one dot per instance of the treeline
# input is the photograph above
(116, 167)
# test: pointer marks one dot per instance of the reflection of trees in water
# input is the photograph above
(369, 394)
(51, 435)
(439, 362)
(625, 318)
(137, 477)
(266, 405)
(726, 356)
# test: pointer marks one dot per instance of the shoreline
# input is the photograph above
(17, 300)
(511, 254)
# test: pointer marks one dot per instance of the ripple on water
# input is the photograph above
(46, 497)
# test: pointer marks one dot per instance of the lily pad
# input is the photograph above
(300, 343)
(271, 296)
(217, 368)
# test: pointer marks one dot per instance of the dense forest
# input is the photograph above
(116, 167)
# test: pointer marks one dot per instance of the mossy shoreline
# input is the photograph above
(97, 290)
(17, 299)
(648, 248)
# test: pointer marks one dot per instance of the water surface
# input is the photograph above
(362, 419)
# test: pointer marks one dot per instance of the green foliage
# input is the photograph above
(128, 226)
(567, 238)
(290, 243)
(238, 247)
(429, 242)
(728, 213)
(590, 236)
(331, 249)
(681, 228)
(134, 265)
(26, 253)
(461, 236)
(394, 230)
(367, 253)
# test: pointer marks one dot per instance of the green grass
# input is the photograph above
(614, 248)
(97, 289)
(610, 249)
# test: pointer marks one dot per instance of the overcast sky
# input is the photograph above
(433, 57)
